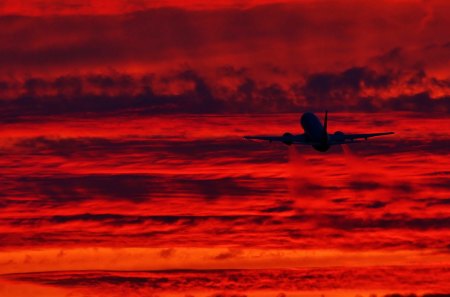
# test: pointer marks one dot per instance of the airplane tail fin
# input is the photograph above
(325, 125)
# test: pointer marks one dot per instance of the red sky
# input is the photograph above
(124, 171)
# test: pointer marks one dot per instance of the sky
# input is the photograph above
(124, 171)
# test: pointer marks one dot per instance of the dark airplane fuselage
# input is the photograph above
(314, 131)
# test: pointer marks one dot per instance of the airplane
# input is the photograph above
(316, 135)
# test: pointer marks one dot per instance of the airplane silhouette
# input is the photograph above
(316, 135)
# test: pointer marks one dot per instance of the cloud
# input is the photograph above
(386, 222)
(228, 282)
(177, 179)
(187, 91)
(284, 207)
(227, 255)
(344, 85)
(302, 36)
(122, 129)
(131, 187)
(132, 64)
(79, 188)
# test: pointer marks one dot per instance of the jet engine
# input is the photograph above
(339, 136)
(288, 138)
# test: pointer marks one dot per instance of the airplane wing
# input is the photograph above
(341, 138)
(287, 139)
(365, 136)
(268, 138)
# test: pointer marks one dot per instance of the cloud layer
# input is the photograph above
(355, 89)
(121, 148)
(302, 282)
(258, 58)
(168, 181)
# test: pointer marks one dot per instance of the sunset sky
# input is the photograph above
(124, 171)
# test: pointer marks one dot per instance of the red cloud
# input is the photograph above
(305, 36)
